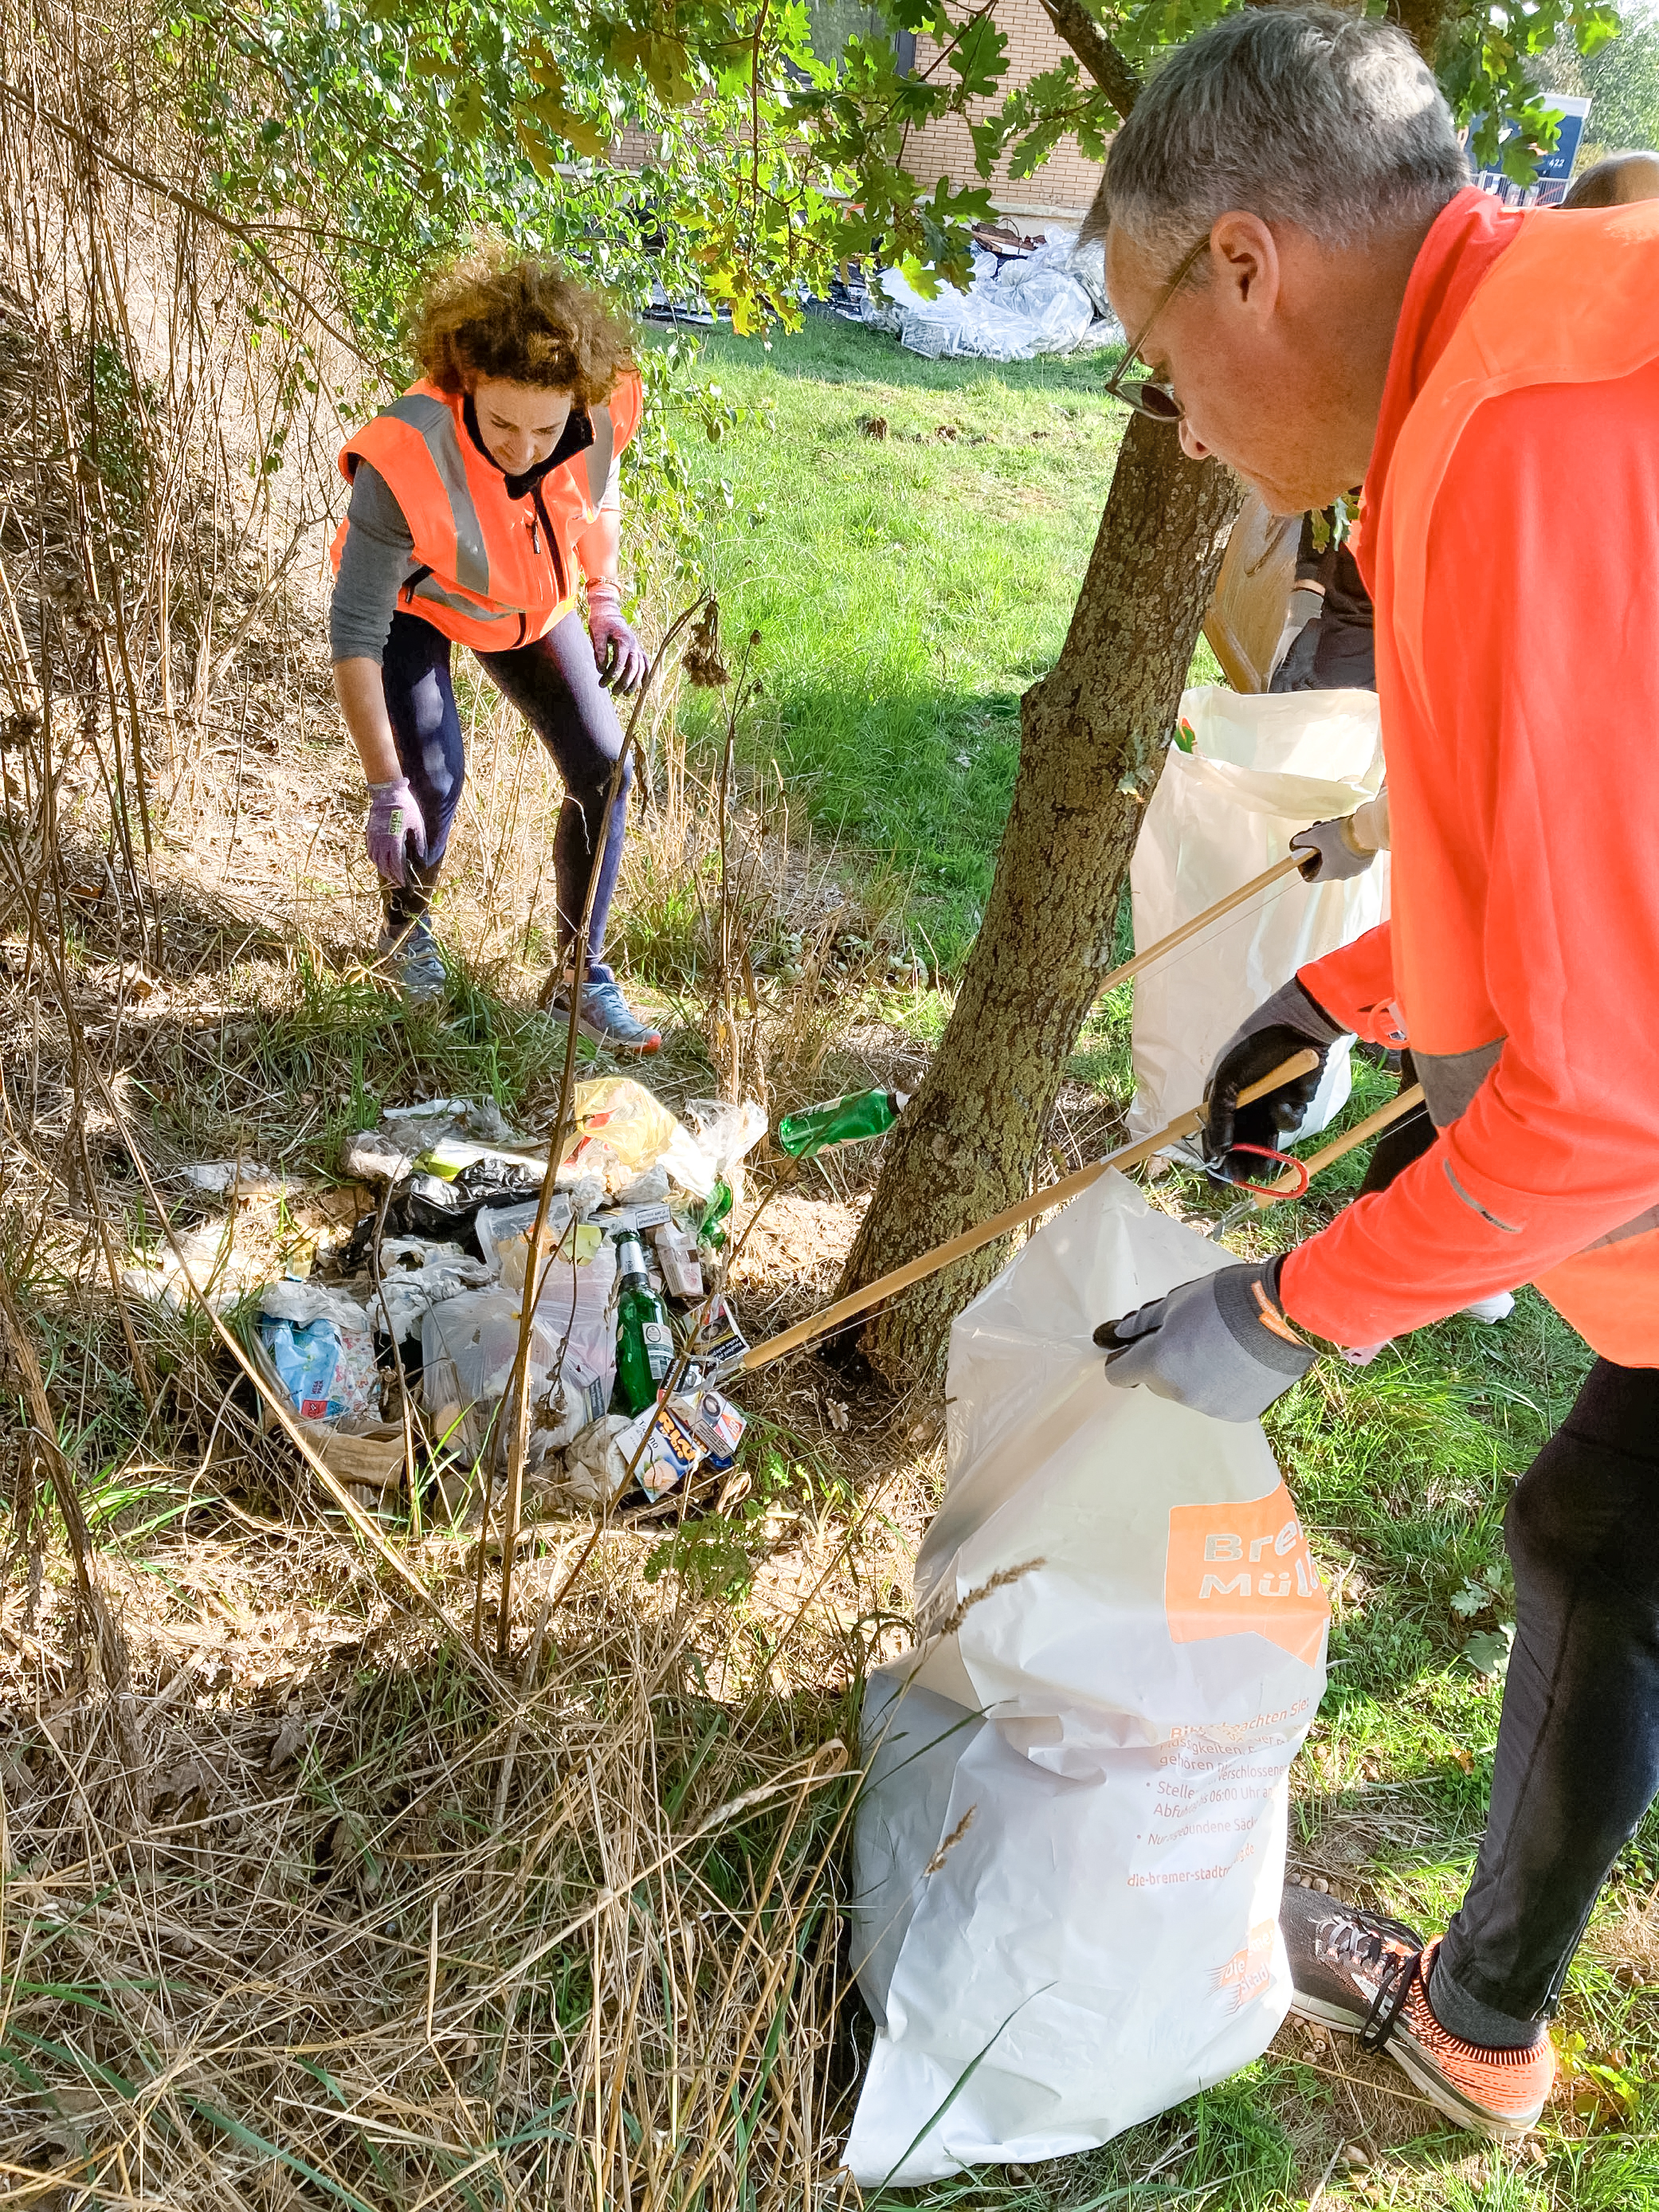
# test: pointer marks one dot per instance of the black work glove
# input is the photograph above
(1287, 1023)
(1221, 1345)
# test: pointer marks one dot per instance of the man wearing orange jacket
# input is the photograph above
(1320, 299)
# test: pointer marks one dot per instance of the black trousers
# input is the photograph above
(555, 684)
(1577, 1759)
(1577, 1762)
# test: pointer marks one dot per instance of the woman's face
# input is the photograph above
(519, 423)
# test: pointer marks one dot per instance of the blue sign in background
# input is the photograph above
(1554, 169)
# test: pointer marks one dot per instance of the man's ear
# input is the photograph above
(1244, 262)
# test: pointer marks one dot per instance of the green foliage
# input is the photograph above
(709, 1557)
(1490, 60)
(753, 166)
(1622, 79)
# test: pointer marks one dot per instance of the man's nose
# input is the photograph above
(1191, 444)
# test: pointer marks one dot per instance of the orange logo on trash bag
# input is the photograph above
(1244, 1565)
(1249, 1972)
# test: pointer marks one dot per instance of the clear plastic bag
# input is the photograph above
(318, 1344)
(469, 1344)
(415, 1275)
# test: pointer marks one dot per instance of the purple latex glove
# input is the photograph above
(617, 651)
(394, 816)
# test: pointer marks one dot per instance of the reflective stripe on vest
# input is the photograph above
(600, 454)
(434, 423)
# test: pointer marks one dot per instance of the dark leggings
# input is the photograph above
(555, 684)
(1577, 1761)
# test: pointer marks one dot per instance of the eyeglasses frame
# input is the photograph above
(1133, 394)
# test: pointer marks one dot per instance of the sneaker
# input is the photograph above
(410, 957)
(606, 1019)
(1498, 1307)
(1363, 1974)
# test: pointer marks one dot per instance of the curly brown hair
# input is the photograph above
(496, 311)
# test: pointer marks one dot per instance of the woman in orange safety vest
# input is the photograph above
(481, 502)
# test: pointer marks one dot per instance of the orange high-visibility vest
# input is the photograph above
(490, 571)
(1549, 1153)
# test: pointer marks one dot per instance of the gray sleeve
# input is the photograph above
(376, 559)
(611, 497)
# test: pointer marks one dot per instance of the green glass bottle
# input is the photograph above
(859, 1113)
(709, 1230)
(645, 1346)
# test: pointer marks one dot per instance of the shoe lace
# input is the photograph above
(1397, 1971)
(1392, 1952)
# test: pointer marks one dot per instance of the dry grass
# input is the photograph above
(304, 1902)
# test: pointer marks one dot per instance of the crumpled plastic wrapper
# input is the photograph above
(415, 1276)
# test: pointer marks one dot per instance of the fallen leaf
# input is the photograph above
(1488, 1651)
(291, 1738)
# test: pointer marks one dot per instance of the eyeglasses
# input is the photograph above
(1143, 394)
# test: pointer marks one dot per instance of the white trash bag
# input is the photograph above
(1261, 769)
(1070, 1848)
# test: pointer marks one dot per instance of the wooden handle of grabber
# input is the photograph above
(1291, 864)
(1291, 1186)
(1011, 1216)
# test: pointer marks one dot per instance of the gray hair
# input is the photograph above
(1300, 115)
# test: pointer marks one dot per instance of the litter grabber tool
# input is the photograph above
(1366, 833)
(1292, 1185)
(1300, 1173)
(1294, 864)
(1011, 1216)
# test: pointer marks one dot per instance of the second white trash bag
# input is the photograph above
(1261, 769)
(1069, 1852)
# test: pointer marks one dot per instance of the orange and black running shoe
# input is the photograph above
(1365, 1975)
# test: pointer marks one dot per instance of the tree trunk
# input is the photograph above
(1423, 22)
(1093, 735)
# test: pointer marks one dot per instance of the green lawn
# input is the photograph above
(907, 588)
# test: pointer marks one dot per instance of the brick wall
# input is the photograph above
(1066, 183)
(1063, 186)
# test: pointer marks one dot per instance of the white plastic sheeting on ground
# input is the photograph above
(1069, 1852)
(1261, 769)
(1045, 302)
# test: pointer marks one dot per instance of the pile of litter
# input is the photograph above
(1049, 300)
(419, 1311)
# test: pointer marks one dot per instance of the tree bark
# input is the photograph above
(1093, 736)
(1117, 77)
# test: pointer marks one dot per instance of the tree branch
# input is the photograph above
(1114, 74)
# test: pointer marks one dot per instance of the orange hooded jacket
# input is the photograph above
(491, 571)
(1511, 543)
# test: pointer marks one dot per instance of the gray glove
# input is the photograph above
(1280, 1026)
(1332, 855)
(1220, 1345)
